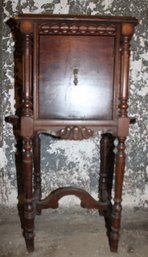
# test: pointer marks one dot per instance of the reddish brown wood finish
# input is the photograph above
(75, 82)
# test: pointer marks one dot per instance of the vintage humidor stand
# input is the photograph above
(75, 83)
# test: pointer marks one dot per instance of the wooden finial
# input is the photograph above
(127, 29)
(26, 27)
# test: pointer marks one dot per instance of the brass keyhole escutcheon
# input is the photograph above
(75, 73)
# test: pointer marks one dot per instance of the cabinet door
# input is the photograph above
(76, 77)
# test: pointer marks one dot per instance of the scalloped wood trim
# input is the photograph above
(75, 133)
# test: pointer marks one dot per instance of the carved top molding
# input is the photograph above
(77, 29)
(75, 24)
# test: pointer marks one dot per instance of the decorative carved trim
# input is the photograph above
(87, 201)
(76, 29)
(75, 133)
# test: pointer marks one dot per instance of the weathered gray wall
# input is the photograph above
(76, 163)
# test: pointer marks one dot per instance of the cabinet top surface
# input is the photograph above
(69, 17)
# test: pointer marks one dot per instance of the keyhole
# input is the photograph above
(75, 73)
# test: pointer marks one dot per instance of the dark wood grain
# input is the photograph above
(91, 98)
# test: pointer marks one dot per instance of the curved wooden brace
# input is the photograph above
(87, 201)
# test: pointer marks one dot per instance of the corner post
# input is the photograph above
(26, 28)
(123, 126)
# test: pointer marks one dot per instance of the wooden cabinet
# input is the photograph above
(75, 83)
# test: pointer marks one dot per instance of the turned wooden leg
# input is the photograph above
(106, 167)
(106, 176)
(37, 173)
(20, 180)
(28, 205)
(116, 212)
(110, 165)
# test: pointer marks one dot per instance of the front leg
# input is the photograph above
(37, 172)
(116, 212)
(28, 205)
(106, 167)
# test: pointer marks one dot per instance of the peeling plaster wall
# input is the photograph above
(76, 163)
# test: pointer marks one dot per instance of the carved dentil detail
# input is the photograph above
(77, 29)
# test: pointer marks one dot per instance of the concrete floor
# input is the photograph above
(74, 232)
